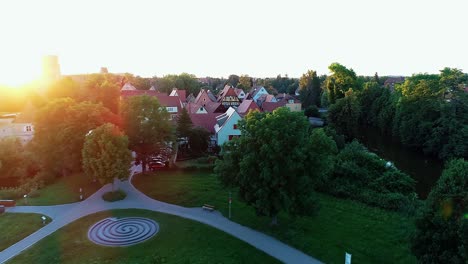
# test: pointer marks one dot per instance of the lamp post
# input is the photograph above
(25, 199)
(230, 201)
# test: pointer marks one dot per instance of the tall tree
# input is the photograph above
(106, 155)
(147, 126)
(270, 162)
(341, 80)
(184, 124)
(344, 115)
(62, 88)
(309, 89)
(60, 129)
(245, 83)
(442, 228)
(233, 80)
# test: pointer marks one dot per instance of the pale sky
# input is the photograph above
(217, 38)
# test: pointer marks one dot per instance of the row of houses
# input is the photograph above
(220, 113)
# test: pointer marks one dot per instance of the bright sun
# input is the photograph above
(16, 73)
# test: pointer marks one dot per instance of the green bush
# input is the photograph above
(361, 175)
(114, 196)
(10, 193)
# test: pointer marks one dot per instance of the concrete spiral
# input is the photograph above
(122, 231)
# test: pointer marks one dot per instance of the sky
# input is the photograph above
(218, 38)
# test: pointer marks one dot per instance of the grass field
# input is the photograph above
(15, 227)
(63, 190)
(370, 234)
(178, 241)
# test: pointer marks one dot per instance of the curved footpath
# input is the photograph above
(64, 214)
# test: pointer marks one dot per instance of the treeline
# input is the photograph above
(427, 112)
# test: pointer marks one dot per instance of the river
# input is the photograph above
(424, 169)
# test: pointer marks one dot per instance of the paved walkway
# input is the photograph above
(67, 213)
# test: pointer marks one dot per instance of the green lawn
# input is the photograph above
(370, 234)
(178, 241)
(63, 190)
(16, 226)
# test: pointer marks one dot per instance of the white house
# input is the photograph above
(22, 130)
(226, 126)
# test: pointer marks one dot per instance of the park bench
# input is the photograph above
(2, 209)
(8, 203)
(208, 207)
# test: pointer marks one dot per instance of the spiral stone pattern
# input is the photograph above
(122, 232)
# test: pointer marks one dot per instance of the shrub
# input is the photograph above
(10, 193)
(312, 111)
(114, 196)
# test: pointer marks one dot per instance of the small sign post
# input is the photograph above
(230, 201)
(347, 258)
(43, 220)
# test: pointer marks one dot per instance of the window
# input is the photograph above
(235, 126)
(28, 128)
(230, 137)
(291, 101)
(171, 109)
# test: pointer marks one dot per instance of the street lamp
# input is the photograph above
(25, 198)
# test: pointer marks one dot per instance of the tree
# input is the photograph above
(104, 88)
(199, 139)
(344, 115)
(62, 88)
(270, 162)
(442, 227)
(60, 130)
(147, 126)
(245, 83)
(341, 80)
(184, 124)
(106, 155)
(233, 80)
(309, 89)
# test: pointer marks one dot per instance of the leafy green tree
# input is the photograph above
(344, 115)
(441, 229)
(312, 111)
(362, 175)
(184, 124)
(271, 162)
(60, 129)
(245, 83)
(199, 139)
(147, 126)
(14, 159)
(309, 89)
(103, 88)
(341, 80)
(233, 80)
(62, 88)
(106, 155)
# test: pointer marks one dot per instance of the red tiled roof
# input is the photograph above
(213, 107)
(182, 95)
(164, 100)
(206, 121)
(246, 106)
(271, 106)
(192, 108)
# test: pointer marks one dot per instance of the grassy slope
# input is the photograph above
(178, 241)
(371, 235)
(64, 190)
(15, 227)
